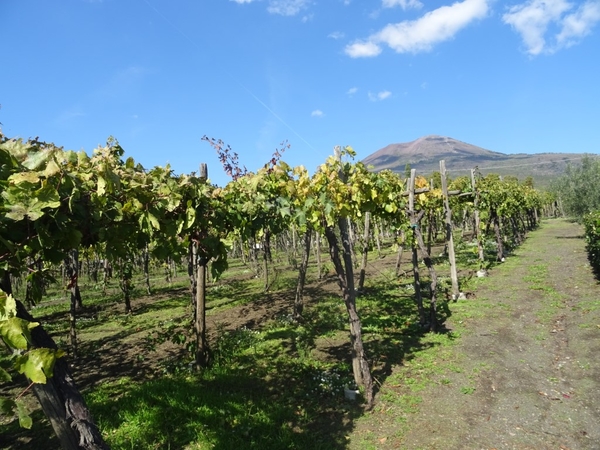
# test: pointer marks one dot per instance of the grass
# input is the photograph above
(254, 396)
(278, 386)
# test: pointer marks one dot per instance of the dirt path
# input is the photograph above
(532, 357)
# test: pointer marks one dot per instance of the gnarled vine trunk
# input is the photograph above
(59, 397)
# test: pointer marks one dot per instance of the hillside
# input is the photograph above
(425, 153)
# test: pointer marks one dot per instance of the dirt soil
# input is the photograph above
(538, 382)
(531, 357)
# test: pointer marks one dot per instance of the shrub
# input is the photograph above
(592, 237)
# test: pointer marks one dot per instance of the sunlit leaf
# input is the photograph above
(51, 169)
(8, 306)
(38, 364)
(28, 177)
(16, 332)
(101, 189)
(153, 221)
(36, 158)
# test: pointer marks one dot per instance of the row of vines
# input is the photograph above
(58, 205)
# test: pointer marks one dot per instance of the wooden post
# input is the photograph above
(401, 240)
(298, 301)
(415, 257)
(202, 351)
(377, 233)
(418, 236)
(365, 252)
(71, 264)
(318, 255)
(449, 236)
(477, 220)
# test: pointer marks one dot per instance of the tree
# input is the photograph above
(579, 188)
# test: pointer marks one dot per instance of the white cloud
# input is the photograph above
(362, 49)
(352, 91)
(336, 35)
(404, 4)
(422, 34)
(317, 113)
(533, 19)
(579, 24)
(283, 7)
(287, 7)
(379, 96)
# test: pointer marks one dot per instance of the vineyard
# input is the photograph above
(248, 315)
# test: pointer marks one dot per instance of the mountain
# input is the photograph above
(425, 153)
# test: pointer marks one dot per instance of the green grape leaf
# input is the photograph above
(70, 239)
(25, 420)
(82, 158)
(190, 216)
(153, 221)
(36, 159)
(48, 197)
(218, 266)
(7, 406)
(38, 364)
(70, 156)
(4, 377)
(285, 211)
(8, 306)
(16, 332)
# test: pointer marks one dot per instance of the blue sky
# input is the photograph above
(510, 76)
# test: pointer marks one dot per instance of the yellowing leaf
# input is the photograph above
(51, 169)
(101, 190)
(8, 306)
(29, 177)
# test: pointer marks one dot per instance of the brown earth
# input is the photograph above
(529, 371)
(529, 358)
